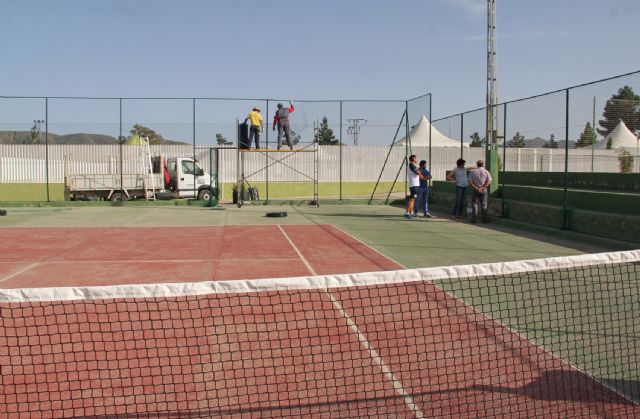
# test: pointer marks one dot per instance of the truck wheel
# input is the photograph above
(118, 197)
(204, 195)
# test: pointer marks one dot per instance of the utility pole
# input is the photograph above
(492, 159)
(492, 83)
(354, 129)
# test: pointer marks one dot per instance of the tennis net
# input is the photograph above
(556, 337)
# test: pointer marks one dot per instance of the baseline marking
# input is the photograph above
(156, 260)
(373, 354)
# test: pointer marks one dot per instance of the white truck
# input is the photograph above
(177, 177)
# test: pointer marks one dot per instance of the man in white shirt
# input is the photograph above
(479, 180)
(413, 175)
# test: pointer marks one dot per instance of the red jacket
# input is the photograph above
(275, 117)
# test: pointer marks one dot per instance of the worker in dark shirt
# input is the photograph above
(281, 120)
(422, 202)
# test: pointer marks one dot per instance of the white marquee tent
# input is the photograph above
(419, 136)
(621, 137)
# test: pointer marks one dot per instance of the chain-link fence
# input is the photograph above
(48, 144)
(584, 136)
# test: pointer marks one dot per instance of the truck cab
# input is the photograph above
(188, 180)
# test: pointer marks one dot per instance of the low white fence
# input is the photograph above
(26, 163)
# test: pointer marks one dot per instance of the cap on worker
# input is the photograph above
(256, 109)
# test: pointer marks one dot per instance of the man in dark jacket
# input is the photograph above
(281, 120)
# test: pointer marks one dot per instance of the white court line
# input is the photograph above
(13, 275)
(367, 245)
(304, 260)
(375, 356)
(158, 260)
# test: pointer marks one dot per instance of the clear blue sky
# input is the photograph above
(311, 49)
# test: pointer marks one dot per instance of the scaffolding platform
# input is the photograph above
(274, 157)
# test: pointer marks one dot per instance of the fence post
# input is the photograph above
(504, 155)
(565, 221)
(340, 157)
(430, 125)
(46, 144)
(266, 155)
(194, 150)
(120, 141)
(462, 135)
(406, 145)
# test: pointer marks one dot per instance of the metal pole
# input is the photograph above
(46, 144)
(393, 143)
(211, 176)
(120, 148)
(565, 223)
(406, 144)
(593, 127)
(266, 155)
(504, 155)
(340, 158)
(194, 149)
(430, 166)
(462, 136)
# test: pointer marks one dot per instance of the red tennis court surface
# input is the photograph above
(56, 257)
(385, 350)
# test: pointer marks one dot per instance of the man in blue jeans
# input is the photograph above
(459, 175)
(422, 202)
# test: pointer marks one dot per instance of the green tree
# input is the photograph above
(517, 141)
(221, 140)
(34, 133)
(324, 134)
(476, 141)
(588, 137)
(144, 132)
(625, 159)
(552, 143)
(623, 106)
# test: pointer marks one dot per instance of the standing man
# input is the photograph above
(479, 180)
(422, 202)
(256, 126)
(281, 120)
(459, 175)
(413, 175)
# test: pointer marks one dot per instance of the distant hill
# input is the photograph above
(24, 137)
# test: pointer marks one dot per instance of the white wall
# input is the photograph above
(26, 163)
